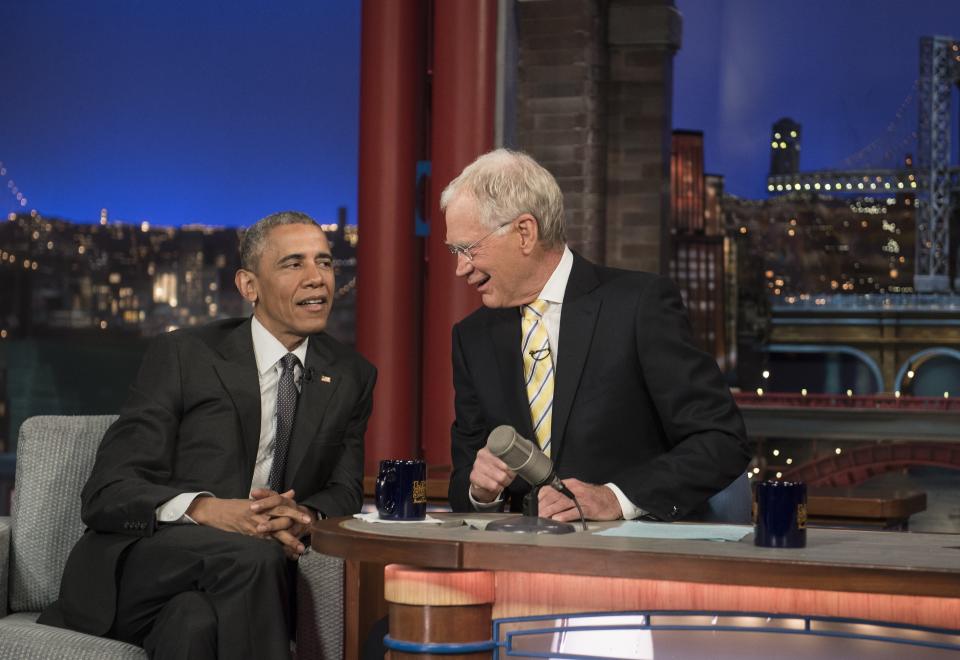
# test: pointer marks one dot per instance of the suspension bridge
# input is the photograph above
(929, 174)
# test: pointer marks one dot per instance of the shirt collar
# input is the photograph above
(268, 350)
(557, 284)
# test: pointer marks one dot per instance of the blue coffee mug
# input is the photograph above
(780, 514)
(401, 491)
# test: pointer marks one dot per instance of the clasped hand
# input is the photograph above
(268, 515)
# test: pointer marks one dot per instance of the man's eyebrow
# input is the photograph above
(299, 256)
(296, 256)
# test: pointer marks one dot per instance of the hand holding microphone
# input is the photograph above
(489, 476)
(524, 458)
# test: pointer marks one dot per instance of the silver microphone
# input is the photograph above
(524, 458)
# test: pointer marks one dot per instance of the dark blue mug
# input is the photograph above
(401, 491)
(780, 514)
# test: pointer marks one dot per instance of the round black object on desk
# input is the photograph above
(529, 525)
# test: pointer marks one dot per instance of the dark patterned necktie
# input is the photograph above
(286, 409)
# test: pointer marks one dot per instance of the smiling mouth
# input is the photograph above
(479, 283)
(319, 301)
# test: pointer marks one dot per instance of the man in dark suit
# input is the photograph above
(595, 364)
(235, 437)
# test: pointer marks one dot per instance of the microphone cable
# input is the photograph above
(559, 486)
(583, 520)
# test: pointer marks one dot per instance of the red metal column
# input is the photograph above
(464, 92)
(387, 286)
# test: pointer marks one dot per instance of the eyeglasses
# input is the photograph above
(467, 250)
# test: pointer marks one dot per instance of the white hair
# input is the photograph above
(507, 184)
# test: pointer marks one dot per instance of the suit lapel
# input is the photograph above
(321, 380)
(505, 335)
(238, 373)
(577, 321)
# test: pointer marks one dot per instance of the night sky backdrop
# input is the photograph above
(221, 112)
(842, 68)
(180, 111)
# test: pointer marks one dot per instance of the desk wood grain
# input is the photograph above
(889, 576)
(854, 560)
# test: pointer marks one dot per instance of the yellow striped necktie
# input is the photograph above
(538, 370)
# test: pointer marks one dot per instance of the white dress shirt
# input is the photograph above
(268, 352)
(553, 293)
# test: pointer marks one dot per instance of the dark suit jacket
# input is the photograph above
(635, 403)
(192, 423)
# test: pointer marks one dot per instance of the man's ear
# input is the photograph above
(246, 282)
(529, 232)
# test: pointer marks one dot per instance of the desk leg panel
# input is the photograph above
(446, 625)
(363, 603)
(530, 594)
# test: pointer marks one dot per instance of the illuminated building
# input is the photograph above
(816, 274)
(697, 264)
(687, 182)
(785, 147)
(697, 268)
(818, 244)
(712, 204)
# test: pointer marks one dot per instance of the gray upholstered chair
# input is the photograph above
(54, 458)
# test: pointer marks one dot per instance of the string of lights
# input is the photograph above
(899, 137)
(13, 189)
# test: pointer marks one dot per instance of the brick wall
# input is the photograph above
(643, 37)
(560, 107)
(593, 105)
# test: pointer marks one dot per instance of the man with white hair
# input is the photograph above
(595, 364)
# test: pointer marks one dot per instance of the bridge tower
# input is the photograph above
(785, 148)
(939, 71)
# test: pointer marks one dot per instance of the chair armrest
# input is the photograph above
(5, 528)
(320, 587)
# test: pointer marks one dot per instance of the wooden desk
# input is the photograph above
(864, 506)
(905, 578)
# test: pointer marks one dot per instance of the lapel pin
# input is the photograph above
(325, 379)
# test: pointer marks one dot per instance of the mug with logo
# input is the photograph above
(780, 514)
(401, 490)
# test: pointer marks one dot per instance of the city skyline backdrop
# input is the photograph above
(180, 113)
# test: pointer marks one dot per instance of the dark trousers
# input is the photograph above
(192, 592)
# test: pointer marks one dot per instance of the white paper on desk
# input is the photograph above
(639, 529)
(374, 517)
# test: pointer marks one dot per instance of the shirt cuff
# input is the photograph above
(485, 506)
(629, 510)
(174, 510)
